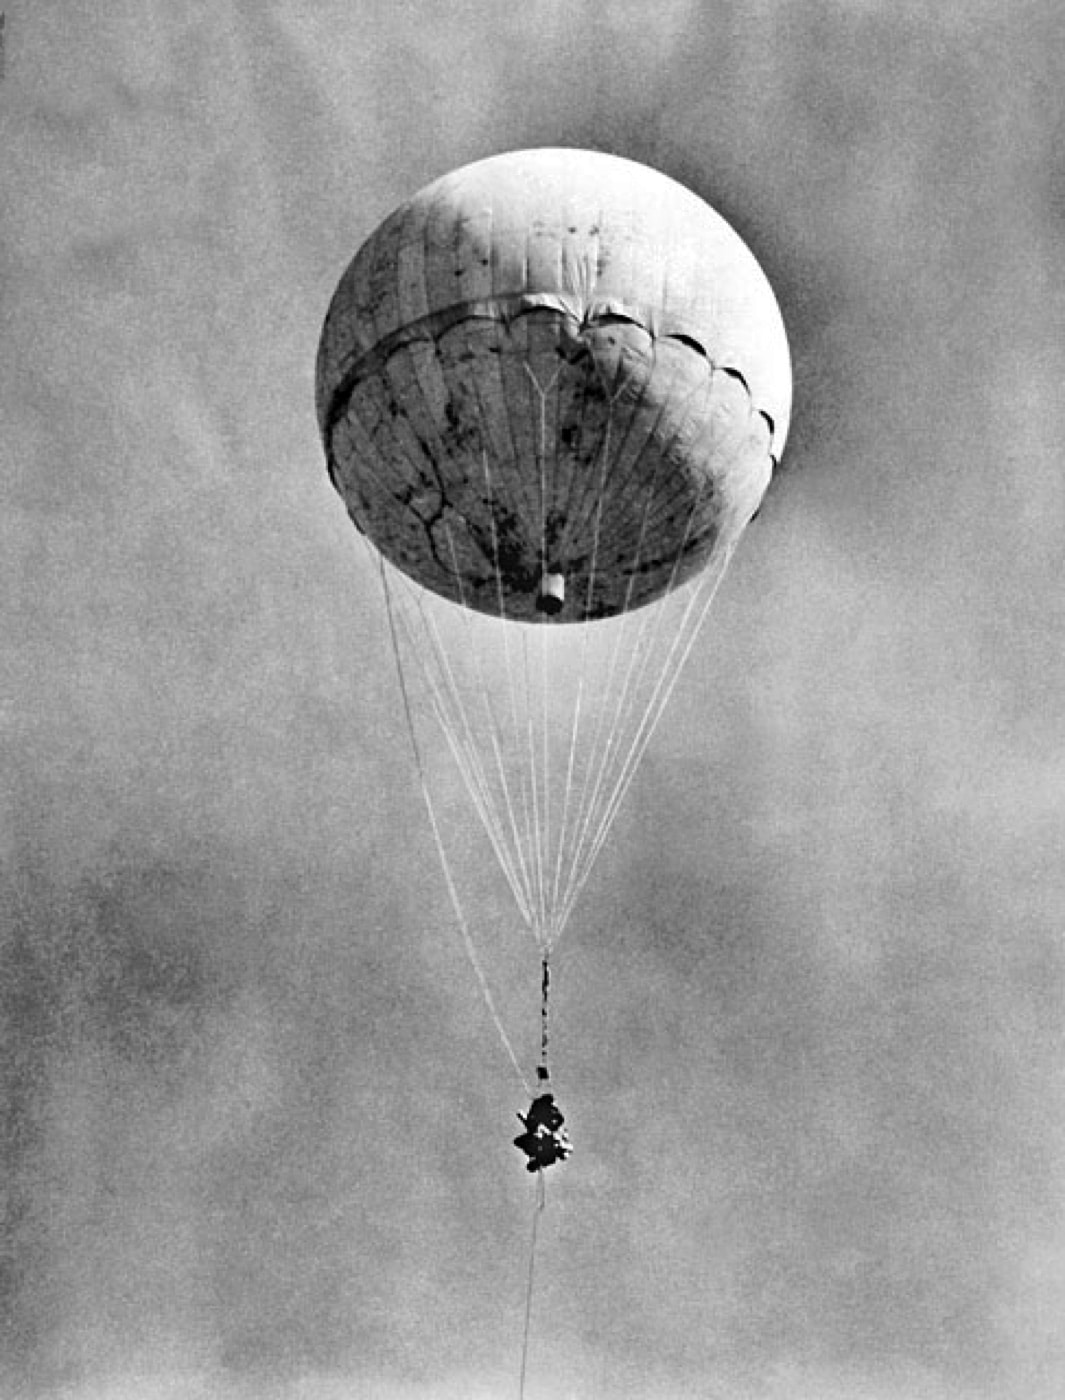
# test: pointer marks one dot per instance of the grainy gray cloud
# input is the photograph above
(809, 1024)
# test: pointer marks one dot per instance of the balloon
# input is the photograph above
(553, 386)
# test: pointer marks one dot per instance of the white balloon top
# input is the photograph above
(588, 233)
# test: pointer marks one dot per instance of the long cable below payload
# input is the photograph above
(541, 1199)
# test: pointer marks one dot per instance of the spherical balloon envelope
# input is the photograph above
(553, 386)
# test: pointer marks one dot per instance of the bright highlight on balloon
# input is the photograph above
(552, 389)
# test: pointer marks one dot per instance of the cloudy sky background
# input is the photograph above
(810, 1018)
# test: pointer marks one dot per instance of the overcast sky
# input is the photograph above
(809, 1023)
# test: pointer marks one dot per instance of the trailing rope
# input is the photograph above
(538, 1208)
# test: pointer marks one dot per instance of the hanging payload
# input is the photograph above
(544, 1139)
